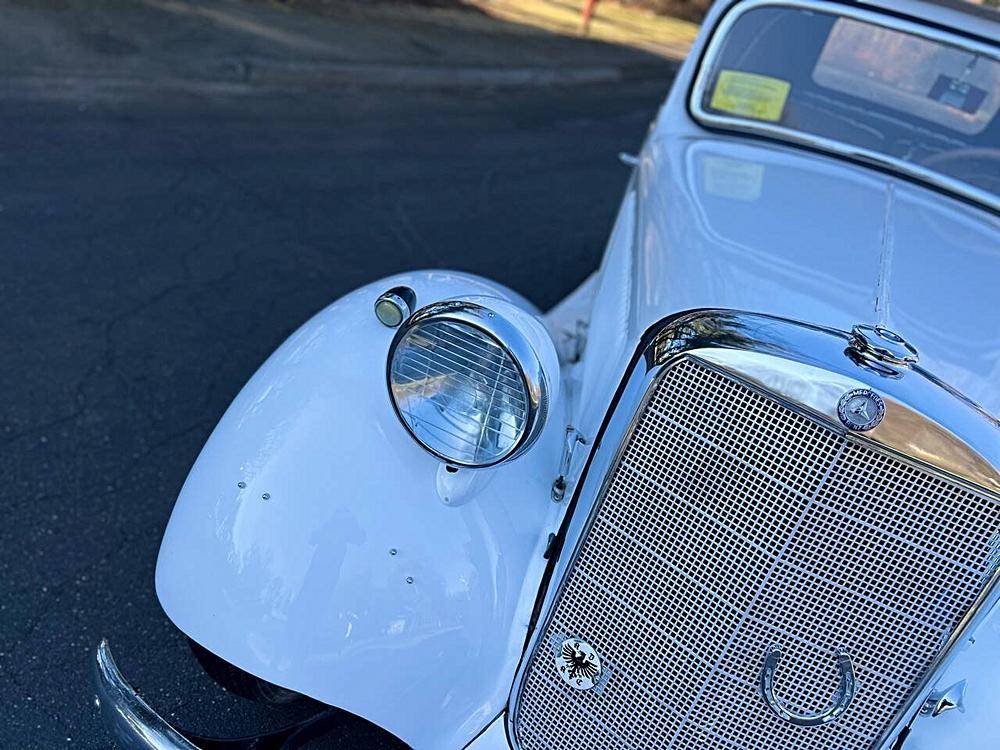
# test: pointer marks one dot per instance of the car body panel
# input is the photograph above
(975, 724)
(312, 545)
(303, 589)
(858, 247)
(726, 223)
(494, 737)
(611, 328)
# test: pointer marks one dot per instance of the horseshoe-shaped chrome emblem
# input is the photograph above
(842, 696)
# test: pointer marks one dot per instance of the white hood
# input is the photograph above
(735, 224)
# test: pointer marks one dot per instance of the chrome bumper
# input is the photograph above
(133, 724)
(136, 726)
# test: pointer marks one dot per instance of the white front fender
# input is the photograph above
(311, 547)
(976, 724)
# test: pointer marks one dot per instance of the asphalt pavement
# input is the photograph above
(157, 244)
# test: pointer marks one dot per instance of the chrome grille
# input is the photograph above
(731, 522)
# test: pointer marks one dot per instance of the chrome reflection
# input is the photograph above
(947, 699)
(883, 345)
(903, 429)
(134, 725)
(847, 688)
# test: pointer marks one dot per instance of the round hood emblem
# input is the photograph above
(578, 664)
(861, 409)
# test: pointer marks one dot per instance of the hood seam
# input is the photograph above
(886, 248)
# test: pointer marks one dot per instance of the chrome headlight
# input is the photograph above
(467, 384)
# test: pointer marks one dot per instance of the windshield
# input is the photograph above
(928, 104)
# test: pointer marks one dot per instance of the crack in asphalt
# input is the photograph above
(159, 252)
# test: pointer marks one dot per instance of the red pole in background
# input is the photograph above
(588, 13)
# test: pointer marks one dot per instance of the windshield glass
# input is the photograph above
(880, 91)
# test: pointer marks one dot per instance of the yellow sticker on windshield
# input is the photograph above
(750, 95)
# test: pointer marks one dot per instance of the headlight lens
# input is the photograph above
(459, 387)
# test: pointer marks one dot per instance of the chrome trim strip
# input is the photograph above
(722, 334)
(905, 431)
(136, 726)
(133, 724)
(867, 156)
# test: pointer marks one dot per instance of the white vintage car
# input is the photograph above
(740, 490)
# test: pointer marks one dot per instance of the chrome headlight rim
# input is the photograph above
(515, 344)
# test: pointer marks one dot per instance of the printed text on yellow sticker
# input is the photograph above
(750, 95)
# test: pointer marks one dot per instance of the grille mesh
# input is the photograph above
(730, 523)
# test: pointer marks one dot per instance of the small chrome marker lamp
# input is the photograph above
(467, 382)
(395, 306)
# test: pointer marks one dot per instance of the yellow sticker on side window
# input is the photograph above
(750, 95)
